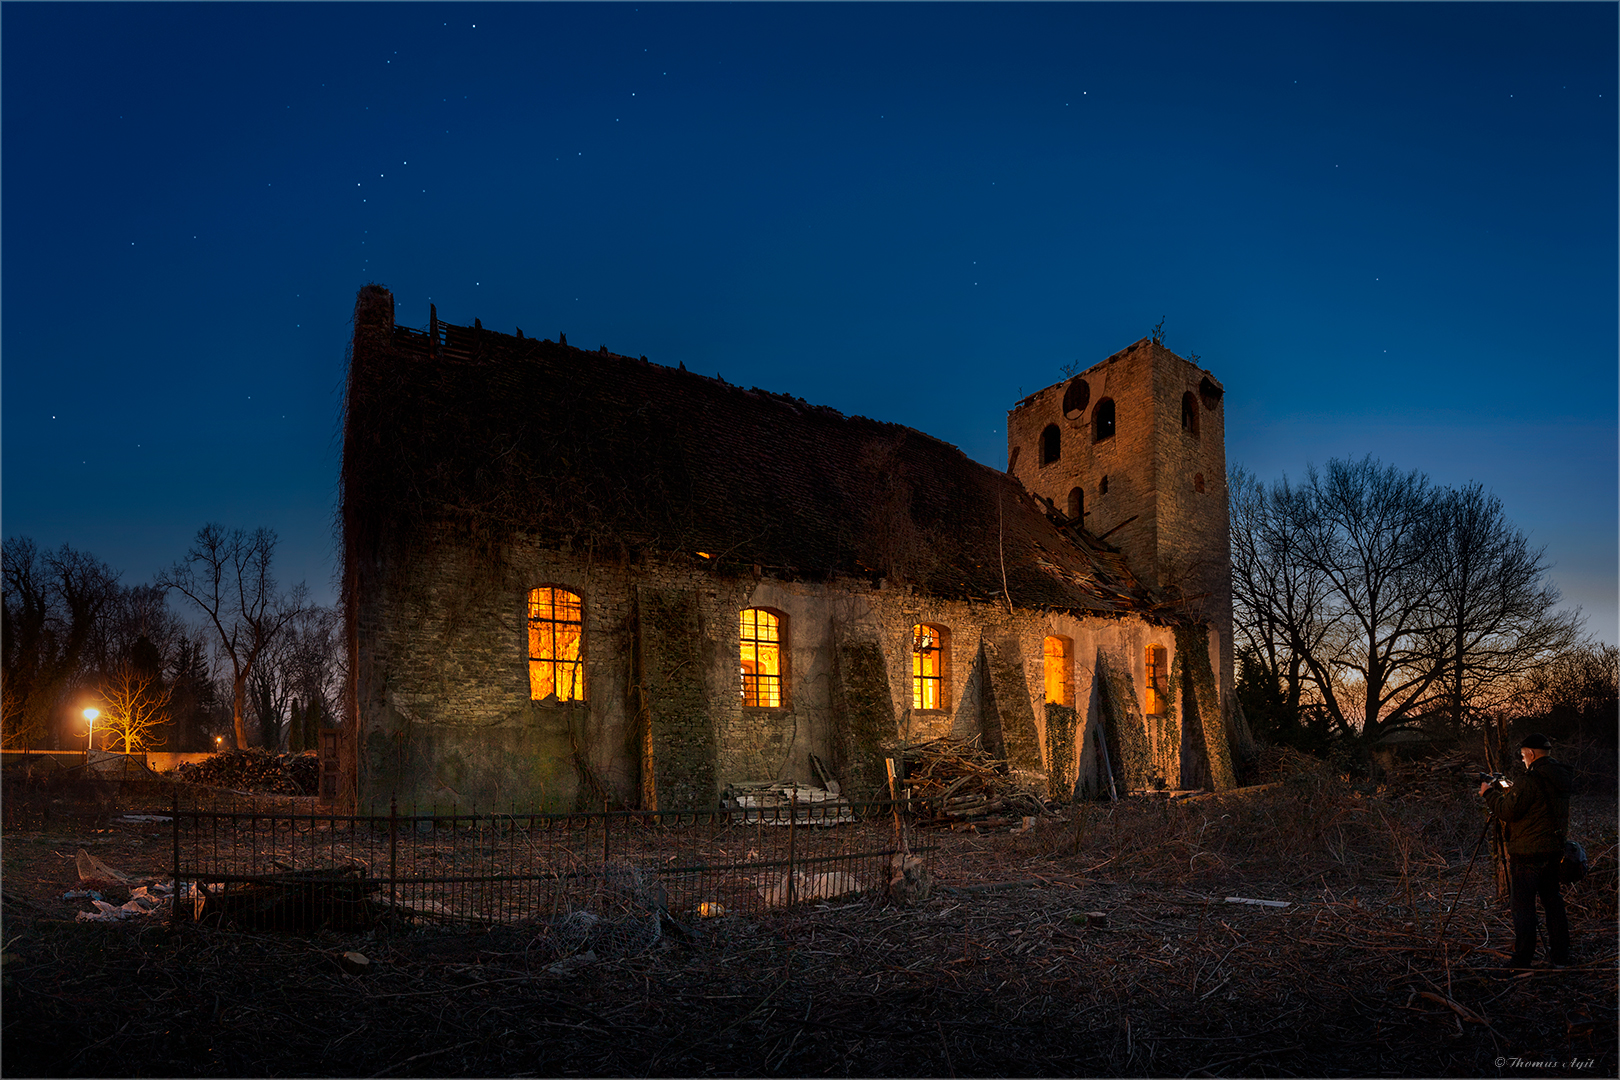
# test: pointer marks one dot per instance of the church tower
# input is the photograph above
(1134, 450)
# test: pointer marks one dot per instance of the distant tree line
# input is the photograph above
(1368, 600)
(260, 666)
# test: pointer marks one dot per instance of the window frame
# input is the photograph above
(939, 677)
(1051, 444)
(1153, 676)
(749, 682)
(577, 691)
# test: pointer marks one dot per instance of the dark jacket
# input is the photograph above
(1535, 809)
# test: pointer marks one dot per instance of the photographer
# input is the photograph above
(1535, 817)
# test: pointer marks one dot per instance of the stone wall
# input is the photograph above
(445, 716)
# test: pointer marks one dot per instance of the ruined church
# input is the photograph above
(575, 578)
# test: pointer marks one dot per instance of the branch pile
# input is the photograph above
(953, 780)
(255, 770)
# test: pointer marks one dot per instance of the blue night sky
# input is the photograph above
(1386, 228)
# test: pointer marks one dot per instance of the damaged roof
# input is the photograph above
(511, 435)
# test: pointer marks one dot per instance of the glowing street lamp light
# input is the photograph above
(89, 730)
(219, 743)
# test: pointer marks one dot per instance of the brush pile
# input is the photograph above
(255, 770)
(952, 780)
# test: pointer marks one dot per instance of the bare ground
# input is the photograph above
(999, 973)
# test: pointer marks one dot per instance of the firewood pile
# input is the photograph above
(255, 770)
(951, 780)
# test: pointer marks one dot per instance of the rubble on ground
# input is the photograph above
(255, 770)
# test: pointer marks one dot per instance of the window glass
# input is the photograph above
(1059, 672)
(1153, 691)
(761, 669)
(928, 655)
(556, 660)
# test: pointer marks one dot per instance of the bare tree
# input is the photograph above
(1379, 601)
(1495, 615)
(53, 604)
(137, 706)
(227, 577)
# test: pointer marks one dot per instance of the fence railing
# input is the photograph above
(622, 870)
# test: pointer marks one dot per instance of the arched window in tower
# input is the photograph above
(556, 659)
(761, 640)
(1102, 420)
(1051, 444)
(930, 656)
(1189, 413)
(1059, 657)
(1153, 685)
(1077, 505)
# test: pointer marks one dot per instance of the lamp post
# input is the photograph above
(89, 731)
(219, 742)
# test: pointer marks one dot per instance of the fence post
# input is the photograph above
(393, 847)
(174, 914)
(793, 817)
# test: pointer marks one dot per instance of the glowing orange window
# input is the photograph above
(1059, 671)
(1153, 691)
(929, 654)
(761, 637)
(556, 661)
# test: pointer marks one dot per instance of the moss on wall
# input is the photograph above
(1061, 722)
(863, 724)
(673, 653)
(1121, 715)
(1011, 710)
(1203, 730)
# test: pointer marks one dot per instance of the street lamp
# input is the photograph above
(89, 731)
(219, 743)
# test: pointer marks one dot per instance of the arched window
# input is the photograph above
(1051, 444)
(1077, 505)
(1153, 684)
(760, 634)
(1189, 413)
(1102, 420)
(1059, 652)
(930, 655)
(556, 659)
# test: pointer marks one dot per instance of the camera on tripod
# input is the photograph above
(1499, 779)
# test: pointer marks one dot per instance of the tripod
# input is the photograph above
(1490, 819)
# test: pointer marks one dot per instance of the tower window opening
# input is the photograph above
(1189, 413)
(1051, 444)
(1075, 399)
(1102, 486)
(1102, 420)
(1077, 504)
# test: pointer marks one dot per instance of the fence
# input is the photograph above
(599, 873)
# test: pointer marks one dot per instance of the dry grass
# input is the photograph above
(998, 973)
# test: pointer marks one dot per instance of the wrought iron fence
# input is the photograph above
(277, 867)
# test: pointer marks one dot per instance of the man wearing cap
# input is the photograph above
(1535, 817)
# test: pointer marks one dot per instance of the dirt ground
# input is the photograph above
(1003, 971)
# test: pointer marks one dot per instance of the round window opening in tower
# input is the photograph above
(1051, 444)
(1210, 393)
(1076, 398)
(1102, 420)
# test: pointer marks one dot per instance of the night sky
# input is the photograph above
(1386, 228)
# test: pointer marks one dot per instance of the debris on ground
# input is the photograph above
(769, 801)
(255, 770)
